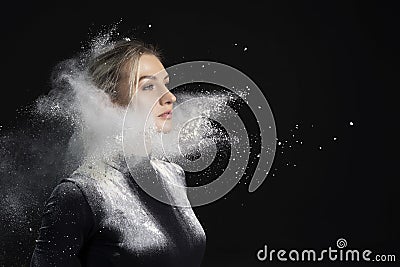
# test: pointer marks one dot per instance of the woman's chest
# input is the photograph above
(138, 223)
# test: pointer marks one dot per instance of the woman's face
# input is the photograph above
(152, 95)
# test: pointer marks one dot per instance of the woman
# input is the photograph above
(100, 216)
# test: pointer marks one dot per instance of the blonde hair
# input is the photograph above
(109, 70)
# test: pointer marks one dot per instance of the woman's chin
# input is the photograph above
(164, 126)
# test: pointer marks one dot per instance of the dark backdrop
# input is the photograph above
(321, 65)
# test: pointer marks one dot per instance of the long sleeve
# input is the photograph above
(66, 223)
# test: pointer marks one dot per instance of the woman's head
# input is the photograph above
(132, 71)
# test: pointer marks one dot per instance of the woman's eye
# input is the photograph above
(148, 87)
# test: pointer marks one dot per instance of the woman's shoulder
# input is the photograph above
(69, 193)
(67, 196)
(76, 193)
(66, 213)
(68, 189)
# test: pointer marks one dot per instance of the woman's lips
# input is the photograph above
(166, 115)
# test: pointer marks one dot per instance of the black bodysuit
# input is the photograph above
(101, 217)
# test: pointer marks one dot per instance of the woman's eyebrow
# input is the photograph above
(151, 77)
(147, 77)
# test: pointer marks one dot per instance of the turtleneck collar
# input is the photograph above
(134, 162)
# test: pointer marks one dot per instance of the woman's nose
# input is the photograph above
(167, 98)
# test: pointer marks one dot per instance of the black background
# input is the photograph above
(321, 65)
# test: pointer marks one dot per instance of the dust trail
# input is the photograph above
(32, 161)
